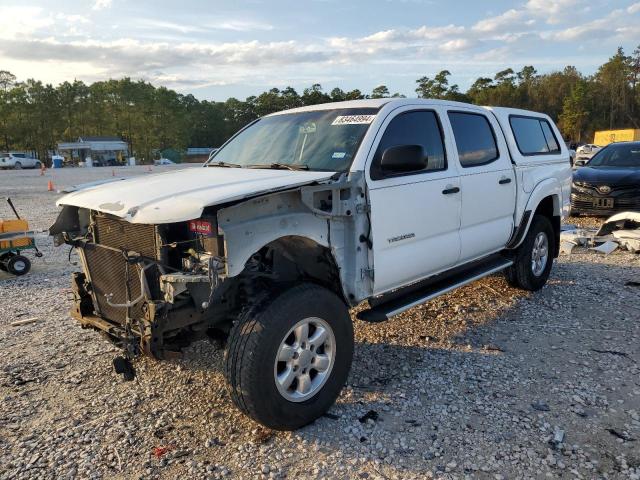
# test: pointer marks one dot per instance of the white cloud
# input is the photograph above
(507, 20)
(184, 53)
(617, 25)
(552, 7)
(23, 20)
(102, 4)
(160, 26)
(239, 26)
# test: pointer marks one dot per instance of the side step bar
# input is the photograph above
(394, 303)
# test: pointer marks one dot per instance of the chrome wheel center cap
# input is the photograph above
(305, 358)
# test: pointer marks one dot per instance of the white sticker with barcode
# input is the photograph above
(353, 120)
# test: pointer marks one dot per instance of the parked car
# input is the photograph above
(584, 154)
(609, 183)
(304, 214)
(164, 161)
(18, 161)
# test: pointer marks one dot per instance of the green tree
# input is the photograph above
(7, 80)
(314, 95)
(439, 87)
(380, 91)
(575, 112)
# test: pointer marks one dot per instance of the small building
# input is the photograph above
(102, 150)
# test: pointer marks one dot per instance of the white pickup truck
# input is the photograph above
(304, 214)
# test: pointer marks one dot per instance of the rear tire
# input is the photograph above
(534, 258)
(268, 346)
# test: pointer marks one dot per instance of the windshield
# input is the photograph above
(617, 155)
(323, 140)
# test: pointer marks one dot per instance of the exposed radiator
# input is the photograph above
(107, 267)
(119, 234)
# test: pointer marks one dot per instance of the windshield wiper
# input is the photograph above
(280, 166)
(224, 164)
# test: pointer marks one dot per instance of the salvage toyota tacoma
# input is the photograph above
(304, 214)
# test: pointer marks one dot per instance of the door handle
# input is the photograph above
(504, 181)
(450, 190)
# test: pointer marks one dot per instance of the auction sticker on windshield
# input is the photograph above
(353, 120)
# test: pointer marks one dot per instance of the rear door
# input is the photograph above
(488, 185)
(415, 215)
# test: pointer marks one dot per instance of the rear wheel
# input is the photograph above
(288, 358)
(534, 258)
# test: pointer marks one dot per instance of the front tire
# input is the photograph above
(288, 358)
(17, 166)
(534, 258)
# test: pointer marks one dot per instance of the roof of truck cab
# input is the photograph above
(400, 102)
(506, 112)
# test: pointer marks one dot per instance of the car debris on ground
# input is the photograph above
(618, 231)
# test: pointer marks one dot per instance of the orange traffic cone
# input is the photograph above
(50, 186)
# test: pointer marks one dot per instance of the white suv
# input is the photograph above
(18, 161)
(304, 214)
(584, 153)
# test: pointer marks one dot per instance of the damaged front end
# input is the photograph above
(150, 289)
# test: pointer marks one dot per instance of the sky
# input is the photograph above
(216, 49)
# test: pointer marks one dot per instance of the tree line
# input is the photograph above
(35, 116)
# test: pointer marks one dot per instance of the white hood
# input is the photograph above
(181, 195)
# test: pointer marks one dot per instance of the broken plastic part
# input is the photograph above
(606, 247)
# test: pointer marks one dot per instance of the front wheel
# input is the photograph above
(288, 358)
(17, 166)
(534, 258)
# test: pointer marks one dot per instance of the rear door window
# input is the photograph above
(474, 137)
(533, 135)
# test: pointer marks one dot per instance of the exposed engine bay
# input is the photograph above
(153, 289)
(146, 285)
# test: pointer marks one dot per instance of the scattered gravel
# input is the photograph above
(486, 382)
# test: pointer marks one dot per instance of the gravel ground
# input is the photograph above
(485, 382)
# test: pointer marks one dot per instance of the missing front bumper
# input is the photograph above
(159, 333)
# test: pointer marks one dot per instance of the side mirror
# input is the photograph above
(404, 158)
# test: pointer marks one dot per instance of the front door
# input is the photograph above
(415, 215)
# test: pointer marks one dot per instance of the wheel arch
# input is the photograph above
(545, 200)
(289, 259)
